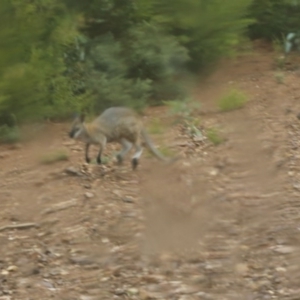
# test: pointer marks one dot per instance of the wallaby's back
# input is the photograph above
(119, 122)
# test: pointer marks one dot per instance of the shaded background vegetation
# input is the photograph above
(62, 56)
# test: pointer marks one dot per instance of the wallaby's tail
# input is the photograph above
(152, 148)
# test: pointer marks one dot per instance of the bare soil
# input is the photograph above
(221, 223)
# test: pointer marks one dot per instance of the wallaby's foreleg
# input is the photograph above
(137, 155)
(126, 147)
(87, 159)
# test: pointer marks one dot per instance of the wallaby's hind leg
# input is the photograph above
(137, 155)
(125, 149)
(102, 146)
(99, 161)
(87, 159)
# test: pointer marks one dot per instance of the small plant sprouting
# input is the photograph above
(279, 77)
(9, 135)
(184, 110)
(214, 136)
(234, 99)
(155, 127)
(53, 157)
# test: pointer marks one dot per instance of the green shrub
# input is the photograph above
(155, 127)
(234, 99)
(9, 135)
(214, 136)
(55, 156)
(208, 29)
(274, 18)
(279, 77)
(136, 70)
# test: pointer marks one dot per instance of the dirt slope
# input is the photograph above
(223, 223)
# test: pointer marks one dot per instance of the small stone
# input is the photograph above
(283, 249)
(12, 268)
(214, 172)
(296, 186)
(241, 268)
(128, 200)
(73, 171)
(89, 195)
(4, 272)
(281, 269)
(204, 295)
(119, 292)
(86, 297)
(133, 291)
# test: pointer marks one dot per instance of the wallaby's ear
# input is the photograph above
(82, 117)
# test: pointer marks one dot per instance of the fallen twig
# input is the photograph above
(60, 206)
(19, 226)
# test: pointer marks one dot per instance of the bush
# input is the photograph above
(32, 85)
(234, 99)
(134, 71)
(9, 135)
(209, 29)
(274, 18)
(53, 157)
(214, 136)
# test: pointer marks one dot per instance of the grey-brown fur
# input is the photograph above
(115, 124)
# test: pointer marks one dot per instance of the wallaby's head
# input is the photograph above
(77, 127)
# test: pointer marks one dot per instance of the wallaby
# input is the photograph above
(115, 124)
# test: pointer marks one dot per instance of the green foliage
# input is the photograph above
(154, 55)
(53, 157)
(185, 111)
(155, 127)
(107, 78)
(132, 71)
(166, 151)
(209, 29)
(62, 56)
(280, 77)
(214, 136)
(274, 18)
(9, 135)
(32, 85)
(234, 99)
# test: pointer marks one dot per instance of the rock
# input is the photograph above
(86, 297)
(214, 172)
(241, 268)
(82, 260)
(281, 270)
(128, 200)
(145, 295)
(296, 186)
(282, 249)
(12, 268)
(204, 295)
(119, 292)
(73, 171)
(4, 272)
(89, 195)
(133, 291)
